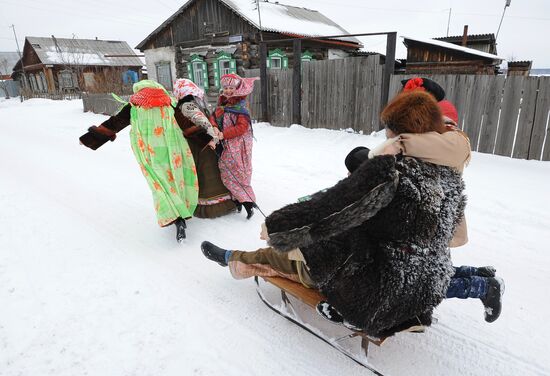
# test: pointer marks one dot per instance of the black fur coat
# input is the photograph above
(377, 242)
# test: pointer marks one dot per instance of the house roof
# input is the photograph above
(489, 38)
(275, 17)
(452, 46)
(10, 59)
(83, 52)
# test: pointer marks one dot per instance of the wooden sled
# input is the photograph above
(336, 335)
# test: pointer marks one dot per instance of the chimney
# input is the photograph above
(465, 36)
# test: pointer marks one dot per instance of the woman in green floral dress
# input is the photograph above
(160, 150)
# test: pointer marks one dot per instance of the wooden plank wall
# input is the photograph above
(342, 94)
(279, 93)
(507, 116)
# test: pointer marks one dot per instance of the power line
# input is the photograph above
(403, 10)
(101, 17)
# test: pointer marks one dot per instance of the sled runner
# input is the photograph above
(297, 304)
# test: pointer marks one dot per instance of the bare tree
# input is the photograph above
(74, 61)
(4, 83)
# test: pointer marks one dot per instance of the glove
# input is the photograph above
(103, 132)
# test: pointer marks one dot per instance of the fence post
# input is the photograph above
(297, 83)
(263, 81)
(389, 67)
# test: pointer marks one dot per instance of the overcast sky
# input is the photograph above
(523, 34)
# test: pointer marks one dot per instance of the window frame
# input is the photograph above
(164, 65)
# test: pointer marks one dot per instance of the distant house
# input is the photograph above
(69, 65)
(205, 39)
(7, 61)
(8, 87)
(431, 56)
(519, 68)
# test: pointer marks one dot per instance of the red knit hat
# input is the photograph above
(448, 110)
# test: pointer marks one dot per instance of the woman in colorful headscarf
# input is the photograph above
(235, 131)
(192, 116)
(160, 150)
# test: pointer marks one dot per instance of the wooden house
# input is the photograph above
(205, 39)
(519, 68)
(481, 42)
(71, 65)
(431, 56)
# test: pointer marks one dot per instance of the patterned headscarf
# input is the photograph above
(184, 87)
(243, 85)
(149, 93)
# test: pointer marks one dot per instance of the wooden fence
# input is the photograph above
(102, 103)
(502, 115)
(59, 95)
(336, 94)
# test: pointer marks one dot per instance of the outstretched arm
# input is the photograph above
(99, 135)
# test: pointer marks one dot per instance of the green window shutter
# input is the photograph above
(216, 69)
(268, 62)
(233, 66)
(205, 75)
(190, 72)
(285, 62)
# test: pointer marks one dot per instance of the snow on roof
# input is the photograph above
(451, 46)
(275, 17)
(283, 18)
(83, 52)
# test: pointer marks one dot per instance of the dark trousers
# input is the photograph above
(465, 284)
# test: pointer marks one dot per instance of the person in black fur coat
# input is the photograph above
(375, 244)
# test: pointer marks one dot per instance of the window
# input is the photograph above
(277, 59)
(225, 67)
(276, 63)
(224, 64)
(197, 71)
(34, 85)
(44, 82)
(164, 75)
(66, 80)
(307, 56)
(39, 85)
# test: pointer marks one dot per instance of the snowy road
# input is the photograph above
(90, 285)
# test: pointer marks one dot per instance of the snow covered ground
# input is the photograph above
(90, 285)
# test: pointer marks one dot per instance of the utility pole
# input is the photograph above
(449, 20)
(20, 59)
(506, 5)
(259, 19)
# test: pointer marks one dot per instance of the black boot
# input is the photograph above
(249, 207)
(493, 299)
(239, 206)
(486, 271)
(214, 253)
(329, 312)
(180, 229)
